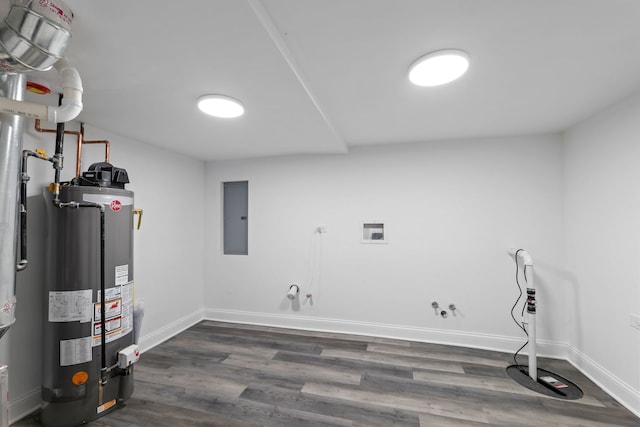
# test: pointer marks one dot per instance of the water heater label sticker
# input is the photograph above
(106, 406)
(110, 294)
(127, 308)
(118, 313)
(113, 326)
(70, 306)
(114, 309)
(122, 274)
(73, 352)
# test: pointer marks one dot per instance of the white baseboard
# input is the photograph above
(154, 338)
(614, 386)
(30, 402)
(412, 333)
(618, 389)
(24, 405)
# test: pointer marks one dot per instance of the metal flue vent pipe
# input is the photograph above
(33, 36)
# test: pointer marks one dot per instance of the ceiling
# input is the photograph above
(322, 76)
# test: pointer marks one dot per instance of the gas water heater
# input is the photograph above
(88, 325)
(89, 348)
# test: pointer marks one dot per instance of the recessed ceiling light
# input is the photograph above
(220, 106)
(438, 68)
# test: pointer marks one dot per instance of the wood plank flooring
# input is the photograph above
(223, 374)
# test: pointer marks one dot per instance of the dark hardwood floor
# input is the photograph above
(222, 374)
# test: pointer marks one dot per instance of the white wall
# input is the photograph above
(451, 209)
(602, 234)
(168, 249)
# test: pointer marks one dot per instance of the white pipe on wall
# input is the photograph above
(71, 99)
(71, 94)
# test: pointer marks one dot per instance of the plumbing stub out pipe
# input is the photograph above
(293, 291)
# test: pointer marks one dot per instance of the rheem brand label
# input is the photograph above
(116, 205)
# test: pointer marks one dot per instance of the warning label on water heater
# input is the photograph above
(118, 313)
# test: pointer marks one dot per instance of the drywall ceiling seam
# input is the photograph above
(271, 29)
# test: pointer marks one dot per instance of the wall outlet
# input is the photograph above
(321, 228)
(634, 321)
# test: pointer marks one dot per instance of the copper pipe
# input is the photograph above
(79, 150)
(107, 147)
(78, 134)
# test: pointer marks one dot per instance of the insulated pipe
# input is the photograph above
(527, 262)
(71, 103)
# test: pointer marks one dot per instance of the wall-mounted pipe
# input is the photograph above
(80, 142)
(107, 147)
(79, 134)
(71, 103)
(11, 132)
(23, 262)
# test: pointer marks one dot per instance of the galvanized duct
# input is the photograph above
(33, 36)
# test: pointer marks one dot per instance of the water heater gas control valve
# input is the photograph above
(128, 356)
